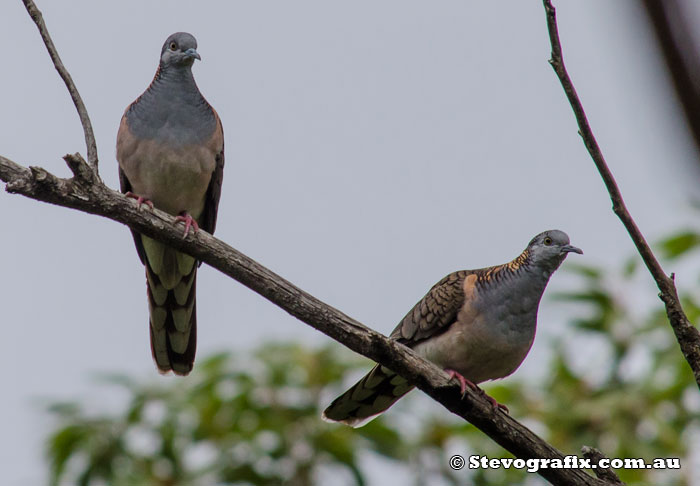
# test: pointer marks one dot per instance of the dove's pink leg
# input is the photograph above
(464, 383)
(189, 221)
(493, 401)
(139, 200)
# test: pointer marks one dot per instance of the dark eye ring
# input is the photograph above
(548, 241)
(173, 46)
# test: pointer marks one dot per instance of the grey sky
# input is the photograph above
(371, 148)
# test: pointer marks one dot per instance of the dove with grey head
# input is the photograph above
(170, 149)
(478, 325)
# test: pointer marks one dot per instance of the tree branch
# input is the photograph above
(668, 19)
(38, 19)
(687, 335)
(94, 197)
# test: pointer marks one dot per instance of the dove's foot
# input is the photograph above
(189, 221)
(494, 403)
(464, 383)
(139, 200)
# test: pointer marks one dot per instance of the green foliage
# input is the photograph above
(255, 419)
(252, 421)
(679, 244)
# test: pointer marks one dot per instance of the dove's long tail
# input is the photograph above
(372, 395)
(171, 279)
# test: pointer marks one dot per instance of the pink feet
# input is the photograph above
(464, 383)
(184, 216)
(494, 403)
(139, 200)
(189, 223)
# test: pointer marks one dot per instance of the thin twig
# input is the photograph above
(38, 19)
(687, 335)
(96, 198)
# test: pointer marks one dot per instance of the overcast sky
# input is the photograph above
(371, 148)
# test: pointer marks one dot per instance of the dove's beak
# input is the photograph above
(571, 249)
(191, 52)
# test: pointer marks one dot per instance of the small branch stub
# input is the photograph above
(605, 473)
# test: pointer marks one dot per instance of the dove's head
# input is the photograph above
(180, 49)
(548, 249)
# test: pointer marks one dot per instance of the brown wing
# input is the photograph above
(211, 201)
(434, 313)
(125, 185)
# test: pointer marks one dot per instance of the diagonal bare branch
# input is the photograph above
(687, 335)
(96, 198)
(38, 19)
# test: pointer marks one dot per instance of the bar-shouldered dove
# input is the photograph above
(170, 149)
(478, 325)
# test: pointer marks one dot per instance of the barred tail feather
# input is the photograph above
(171, 279)
(372, 395)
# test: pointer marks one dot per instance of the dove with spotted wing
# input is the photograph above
(478, 325)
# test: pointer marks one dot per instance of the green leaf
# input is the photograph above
(679, 244)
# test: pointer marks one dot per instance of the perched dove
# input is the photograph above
(170, 149)
(476, 324)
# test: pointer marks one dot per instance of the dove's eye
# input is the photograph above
(173, 46)
(548, 241)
